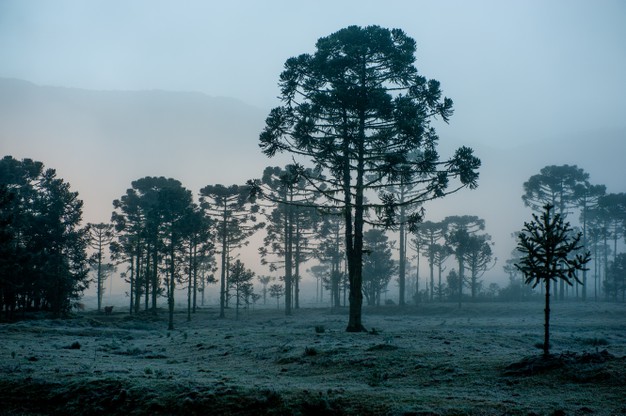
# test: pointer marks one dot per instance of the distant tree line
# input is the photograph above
(166, 243)
(356, 118)
(601, 222)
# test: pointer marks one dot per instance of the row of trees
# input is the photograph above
(357, 119)
(359, 115)
(461, 237)
(601, 222)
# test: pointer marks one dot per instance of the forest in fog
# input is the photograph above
(210, 231)
(333, 255)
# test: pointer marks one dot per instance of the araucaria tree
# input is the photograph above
(291, 224)
(240, 280)
(461, 239)
(359, 114)
(378, 266)
(234, 215)
(557, 186)
(427, 236)
(151, 221)
(100, 236)
(548, 246)
(43, 260)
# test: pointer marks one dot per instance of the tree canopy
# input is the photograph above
(549, 253)
(43, 261)
(358, 113)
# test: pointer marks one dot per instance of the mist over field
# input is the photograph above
(115, 137)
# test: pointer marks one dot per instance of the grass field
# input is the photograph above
(432, 360)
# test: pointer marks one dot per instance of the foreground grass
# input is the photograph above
(431, 360)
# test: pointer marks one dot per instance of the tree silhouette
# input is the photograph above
(331, 251)
(616, 278)
(613, 207)
(547, 245)
(235, 217)
(41, 233)
(290, 227)
(459, 239)
(378, 267)
(428, 234)
(557, 186)
(240, 280)
(478, 258)
(264, 280)
(100, 236)
(441, 253)
(586, 197)
(198, 248)
(358, 111)
(277, 291)
(151, 220)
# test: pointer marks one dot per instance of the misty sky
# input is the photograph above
(517, 70)
(521, 73)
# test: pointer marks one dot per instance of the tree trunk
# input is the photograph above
(461, 273)
(402, 264)
(132, 287)
(237, 303)
(137, 278)
(100, 277)
(189, 281)
(195, 277)
(223, 271)
(354, 242)
(546, 333)
(431, 265)
(288, 258)
(155, 280)
(172, 288)
(296, 260)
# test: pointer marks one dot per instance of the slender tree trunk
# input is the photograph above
(546, 333)
(288, 259)
(431, 265)
(155, 280)
(132, 287)
(402, 264)
(439, 287)
(172, 286)
(99, 277)
(223, 271)
(297, 266)
(584, 286)
(195, 277)
(145, 283)
(189, 280)
(461, 273)
(336, 272)
(138, 282)
(237, 303)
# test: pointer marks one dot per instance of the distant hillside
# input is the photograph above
(100, 141)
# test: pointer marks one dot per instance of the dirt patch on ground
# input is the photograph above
(430, 360)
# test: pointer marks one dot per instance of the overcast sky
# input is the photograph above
(517, 70)
(521, 73)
